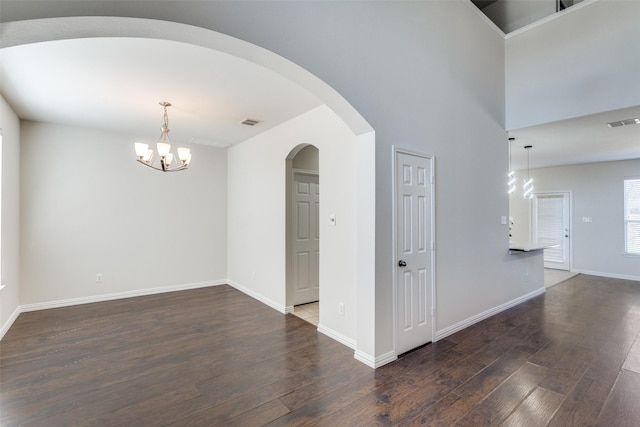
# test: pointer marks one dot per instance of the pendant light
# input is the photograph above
(511, 176)
(527, 187)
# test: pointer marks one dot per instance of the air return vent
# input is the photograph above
(250, 122)
(626, 122)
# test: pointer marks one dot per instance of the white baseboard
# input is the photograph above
(611, 275)
(288, 309)
(485, 314)
(279, 307)
(9, 322)
(337, 336)
(375, 362)
(117, 295)
(100, 298)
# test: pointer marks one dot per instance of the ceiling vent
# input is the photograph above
(626, 122)
(249, 122)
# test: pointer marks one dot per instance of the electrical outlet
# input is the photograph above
(99, 278)
(341, 309)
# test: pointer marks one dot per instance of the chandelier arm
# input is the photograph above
(176, 169)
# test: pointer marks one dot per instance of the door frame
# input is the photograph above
(289, 173)
(290, 233)
(533, 214)
(394, 243)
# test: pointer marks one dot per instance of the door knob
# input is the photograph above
(402, 263)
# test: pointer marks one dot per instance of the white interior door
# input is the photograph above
(551, 226)
(306, 238)
(414, 190)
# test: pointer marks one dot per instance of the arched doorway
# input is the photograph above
(303, 232)
(255, 233)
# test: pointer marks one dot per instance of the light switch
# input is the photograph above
(332, 219)
(503, 220)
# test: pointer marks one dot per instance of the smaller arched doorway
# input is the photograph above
(303, 232)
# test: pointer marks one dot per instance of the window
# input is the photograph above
(548, 225)
(632, 215)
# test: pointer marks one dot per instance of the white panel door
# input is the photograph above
(306, 238)
(551, 226)
(413, 251)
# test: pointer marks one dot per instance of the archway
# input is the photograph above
(303, 232)
(354, 136)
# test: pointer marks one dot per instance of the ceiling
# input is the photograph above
(585, 139)
(115, 84)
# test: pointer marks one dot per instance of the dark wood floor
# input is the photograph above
(214, 356)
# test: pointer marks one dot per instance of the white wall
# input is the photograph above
(584, 61)
(10, 268)
(257, 215)
(429, 77)
(597, 192)
(88, 207)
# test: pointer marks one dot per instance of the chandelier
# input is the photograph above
(168, 162)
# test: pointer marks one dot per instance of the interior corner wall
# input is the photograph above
(10, 269)
(88, 207)
(257, 220)
(597, 193)
(584, 61)
(511, 15)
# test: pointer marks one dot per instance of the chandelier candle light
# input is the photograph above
(146, 155)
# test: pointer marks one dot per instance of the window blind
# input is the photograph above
(549, 222)
(632, 215)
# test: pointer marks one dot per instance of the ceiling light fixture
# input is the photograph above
(527, 187)
(146, 155)
(511, 176)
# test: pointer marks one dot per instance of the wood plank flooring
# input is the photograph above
(215, 357)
